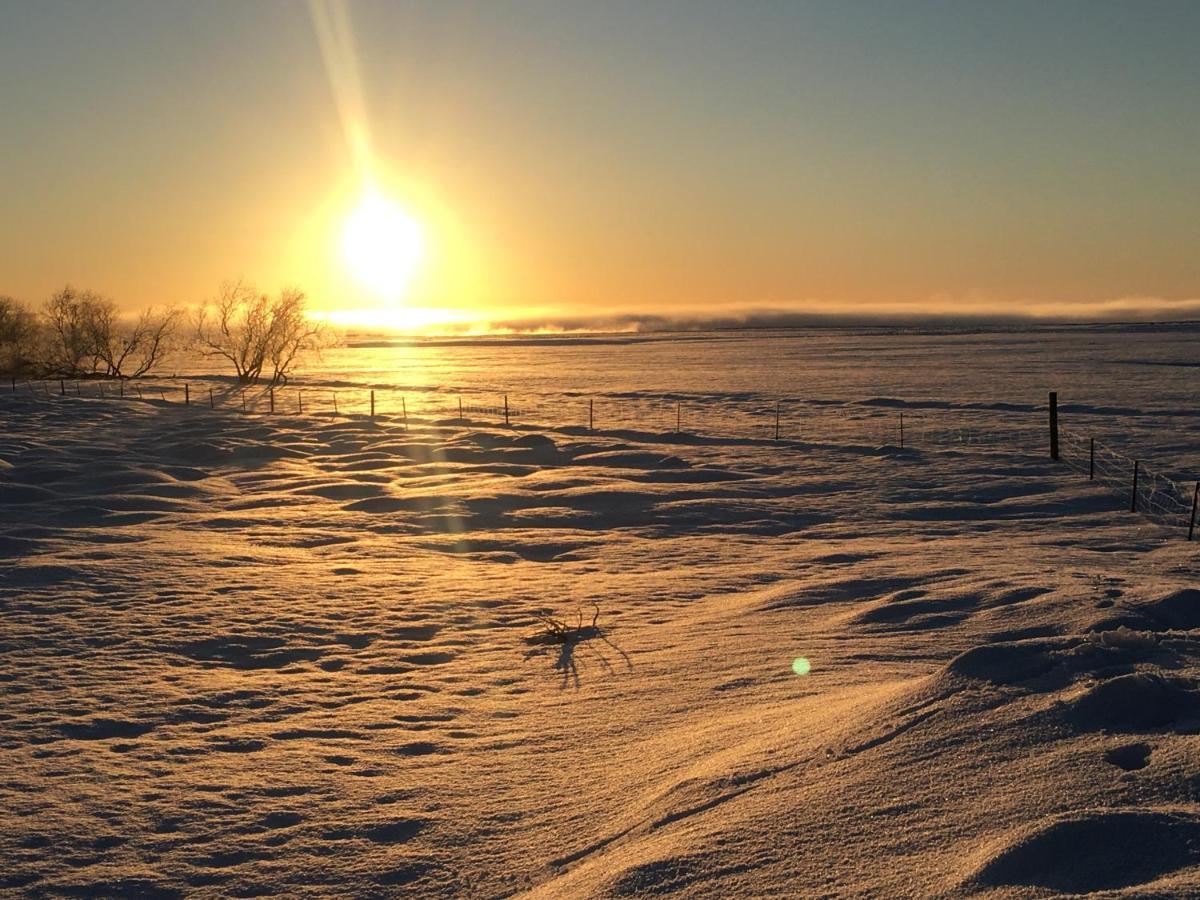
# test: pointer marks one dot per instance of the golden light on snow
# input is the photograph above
(382, 245)
(801, 665)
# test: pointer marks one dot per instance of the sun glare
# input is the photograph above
(382, 245)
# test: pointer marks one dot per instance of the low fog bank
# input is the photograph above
(651, 323)
(627, 328)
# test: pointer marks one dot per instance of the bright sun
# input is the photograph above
(382, 245)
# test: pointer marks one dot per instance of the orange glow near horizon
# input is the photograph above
(399, 317)
(568, 166)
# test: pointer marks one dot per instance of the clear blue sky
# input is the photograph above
(615, 156)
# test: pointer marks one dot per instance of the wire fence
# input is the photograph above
(755, 420)
(1154, 495)
(751, 419)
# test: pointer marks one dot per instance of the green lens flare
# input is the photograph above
(801, 665)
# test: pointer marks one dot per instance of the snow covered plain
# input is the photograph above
(301, 654)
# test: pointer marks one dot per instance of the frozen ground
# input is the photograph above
(301, 655)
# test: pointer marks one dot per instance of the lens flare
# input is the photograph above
(801, 665)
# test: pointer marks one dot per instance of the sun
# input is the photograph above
(382, 245)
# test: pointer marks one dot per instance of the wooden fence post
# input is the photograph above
(1133, 495)
(212, 403)
(460, 415)
(372, 404)
(121, 386)
(1054, 424)
(299, 401)
(678, 416)
(1091, 459)
(62, 387)
(404, 411)
(243, 399)
(1195, 500)
(506, 409)
(187, 397)
(335, 409)
(591, 414)
(271, 397)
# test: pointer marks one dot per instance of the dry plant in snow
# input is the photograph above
(557, 631)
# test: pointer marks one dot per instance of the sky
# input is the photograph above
(566, 161)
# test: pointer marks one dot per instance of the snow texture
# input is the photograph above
(308, 655)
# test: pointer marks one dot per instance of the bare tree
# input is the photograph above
(292, 333)
(132, 348)
(70, 317)
(256, 332)
(18, 336)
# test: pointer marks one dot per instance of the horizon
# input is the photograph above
(463, 167)
(563, 449)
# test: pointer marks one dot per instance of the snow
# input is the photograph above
(302, 654)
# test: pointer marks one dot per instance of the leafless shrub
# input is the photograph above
(83, 333)
(18, 338)
(70, 339)
(130, 349)
(258, 333)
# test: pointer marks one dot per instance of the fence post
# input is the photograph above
(460, 415)
(506, 409)
(591, 414)
(78, 392)
(62, 387)
(1054, 424)
(1195, 500)
(212, 404)
(335, 409)
(243, 399)
(404, 411)
(121, 386)
(678, 416)
(1091, 459)
(299, 401)
(100, 385)
(1133, 496)
(372, 404)
(187, 397)
(271, 397)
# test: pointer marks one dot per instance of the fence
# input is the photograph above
(1150, 493)
(1154, 495)
(716, 416)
